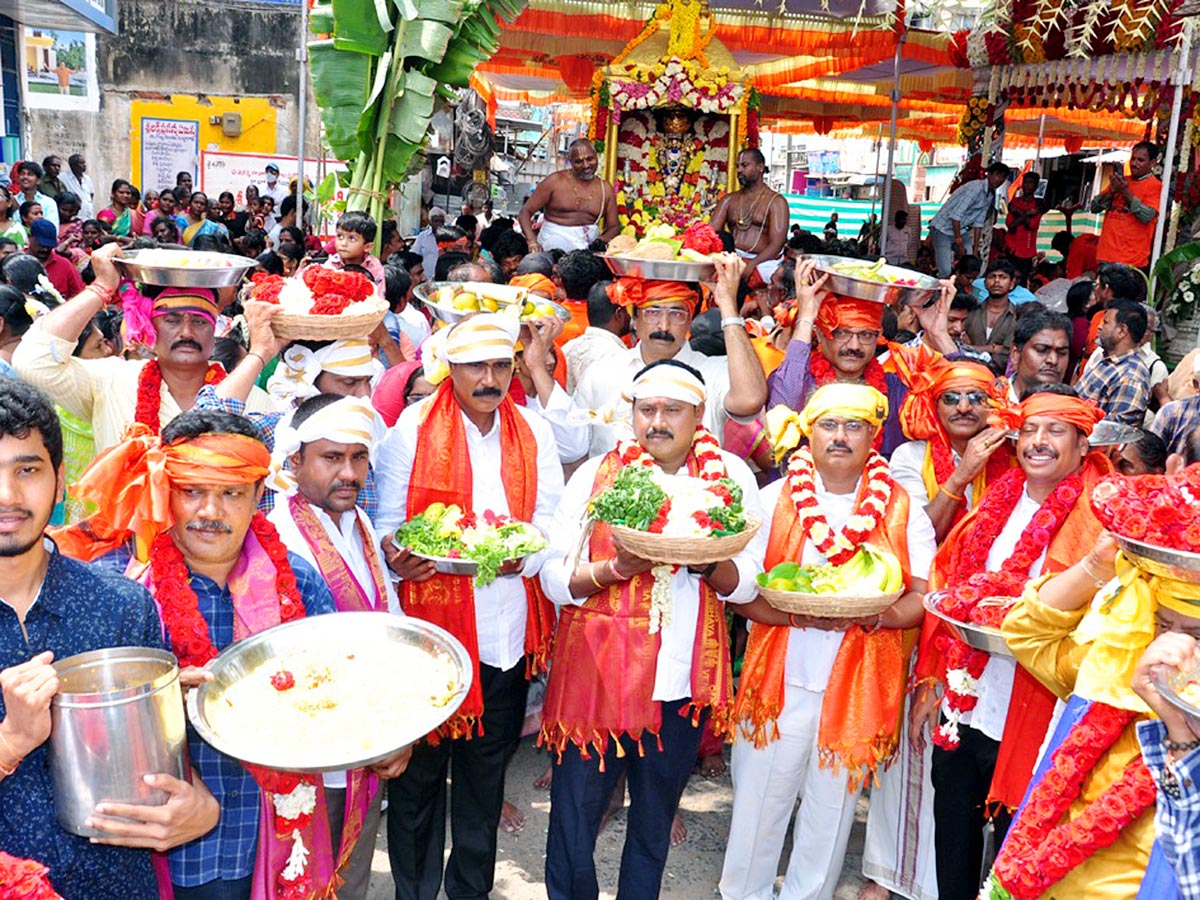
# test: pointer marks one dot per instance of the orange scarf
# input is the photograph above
(1031, 704)
(862, 704)
(442, 474)
(602, 675)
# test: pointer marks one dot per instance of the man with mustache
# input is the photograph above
(847, 332)
(756, 216)
(177, 324)
(1042, 344)
(804, 730)
(468, 445)
(219, 572)
(328, 445)
(1119, 382)
(1034, 520)
(577, 206)
(661, 315)
(621, 700)
(54, 607)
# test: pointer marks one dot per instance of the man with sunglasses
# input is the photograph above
(661, 314)
(847, 333)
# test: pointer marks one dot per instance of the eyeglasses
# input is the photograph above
(415, 398)
(662, 314)
(953, 398)
(845, 336)
(854, 427)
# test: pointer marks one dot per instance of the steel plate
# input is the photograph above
(355, 632)
(1170, 682)
(204, 270)
(661, 269)
(1179, 565)
(926, 288)
(448, 315)
(980, 637)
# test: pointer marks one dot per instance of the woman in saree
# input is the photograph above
(198, 222)
(122, 213)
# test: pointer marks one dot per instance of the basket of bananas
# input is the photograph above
(867, 584)
(452, 301)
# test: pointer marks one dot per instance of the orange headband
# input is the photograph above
(1083, 414)
(535, 282)
(847, 312)
(918, 415)
(130, 483)
(638, 293)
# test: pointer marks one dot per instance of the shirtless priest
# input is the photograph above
(756, 216)
(577, 206)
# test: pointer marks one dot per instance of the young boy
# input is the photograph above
(355, 232)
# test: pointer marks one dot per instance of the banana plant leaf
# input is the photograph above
(361, 26)
(341, 84)
(1164, 270)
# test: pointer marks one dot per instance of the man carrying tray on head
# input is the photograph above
(620, 698)
(471, 446)
(329, 444)
(219, 573)
(662, 313)
(805, 731)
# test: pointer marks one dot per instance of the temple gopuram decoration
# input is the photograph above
(665, 113)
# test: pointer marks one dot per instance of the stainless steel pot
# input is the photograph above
(118, 716)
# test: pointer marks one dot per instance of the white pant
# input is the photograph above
(552, 236)
(899, 851)
(766, 784)
(766, 268)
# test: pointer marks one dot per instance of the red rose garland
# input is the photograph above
(25, 879)
(332, 290)
(149, 391)
(943, 467)
(839, 546)
(293, 795)
(971, 584)
(1039, 851)
(710, 465)
(1163, 510)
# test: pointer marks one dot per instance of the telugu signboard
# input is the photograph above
(223, 170)
(169, 146)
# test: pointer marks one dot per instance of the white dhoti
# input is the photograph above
(766, 784)
(899, 851)
(552, 236)
(766, 268)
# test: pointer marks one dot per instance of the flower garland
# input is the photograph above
(149, 391)
(1039, 851)
(839, 546)
(710, 466)
(971, 586)
(679, 81)
(293, 795)
(25, 879)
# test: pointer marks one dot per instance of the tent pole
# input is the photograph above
(891, 156)
(302, 111)
(1041, 137)
(1181, 79)
(878, 153)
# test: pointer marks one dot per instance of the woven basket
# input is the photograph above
(685, 551)
(364, 318)
(828, 606)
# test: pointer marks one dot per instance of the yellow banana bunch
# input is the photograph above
(870, 571)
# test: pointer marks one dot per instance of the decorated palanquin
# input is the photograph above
(666, 111)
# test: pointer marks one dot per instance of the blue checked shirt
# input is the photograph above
(368, 497)
(228, 850)
(1177, 817)
(968, 206)
(1120, 386)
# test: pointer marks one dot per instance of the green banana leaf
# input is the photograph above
(1164, 270)
(361, 26)
(341, 85)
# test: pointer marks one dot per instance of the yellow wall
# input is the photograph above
(258, 123)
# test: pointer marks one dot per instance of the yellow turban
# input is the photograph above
(1120, 627)
(786, 428)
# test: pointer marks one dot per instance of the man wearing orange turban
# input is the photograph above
(847, 332)
(219, 573)
(1034, 520)
(662, 314)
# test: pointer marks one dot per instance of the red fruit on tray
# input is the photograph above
(702, 239)
(283, 680)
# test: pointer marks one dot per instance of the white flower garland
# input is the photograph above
(301, 801)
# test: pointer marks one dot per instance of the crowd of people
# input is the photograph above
(174, 475)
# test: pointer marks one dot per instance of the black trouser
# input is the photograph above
(579, 796)
(219, 889)
(961, 780)
(416, 814)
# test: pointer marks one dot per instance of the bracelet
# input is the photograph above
(592, 575)
(105, 294)
(612, 570)
(792, 620)
(1180, 746)
(17, 757)
(955, 497)
(878, 624)
(739, 321)
(1097, 581)
(262, 359)
(805, 319)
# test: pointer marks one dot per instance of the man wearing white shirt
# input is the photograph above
(654, 691)
(802, 733)
(662, 315)
(425, 244)
(468, 444)
(78, 182)
(273, 188)
(607, 324)
(328, 446)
